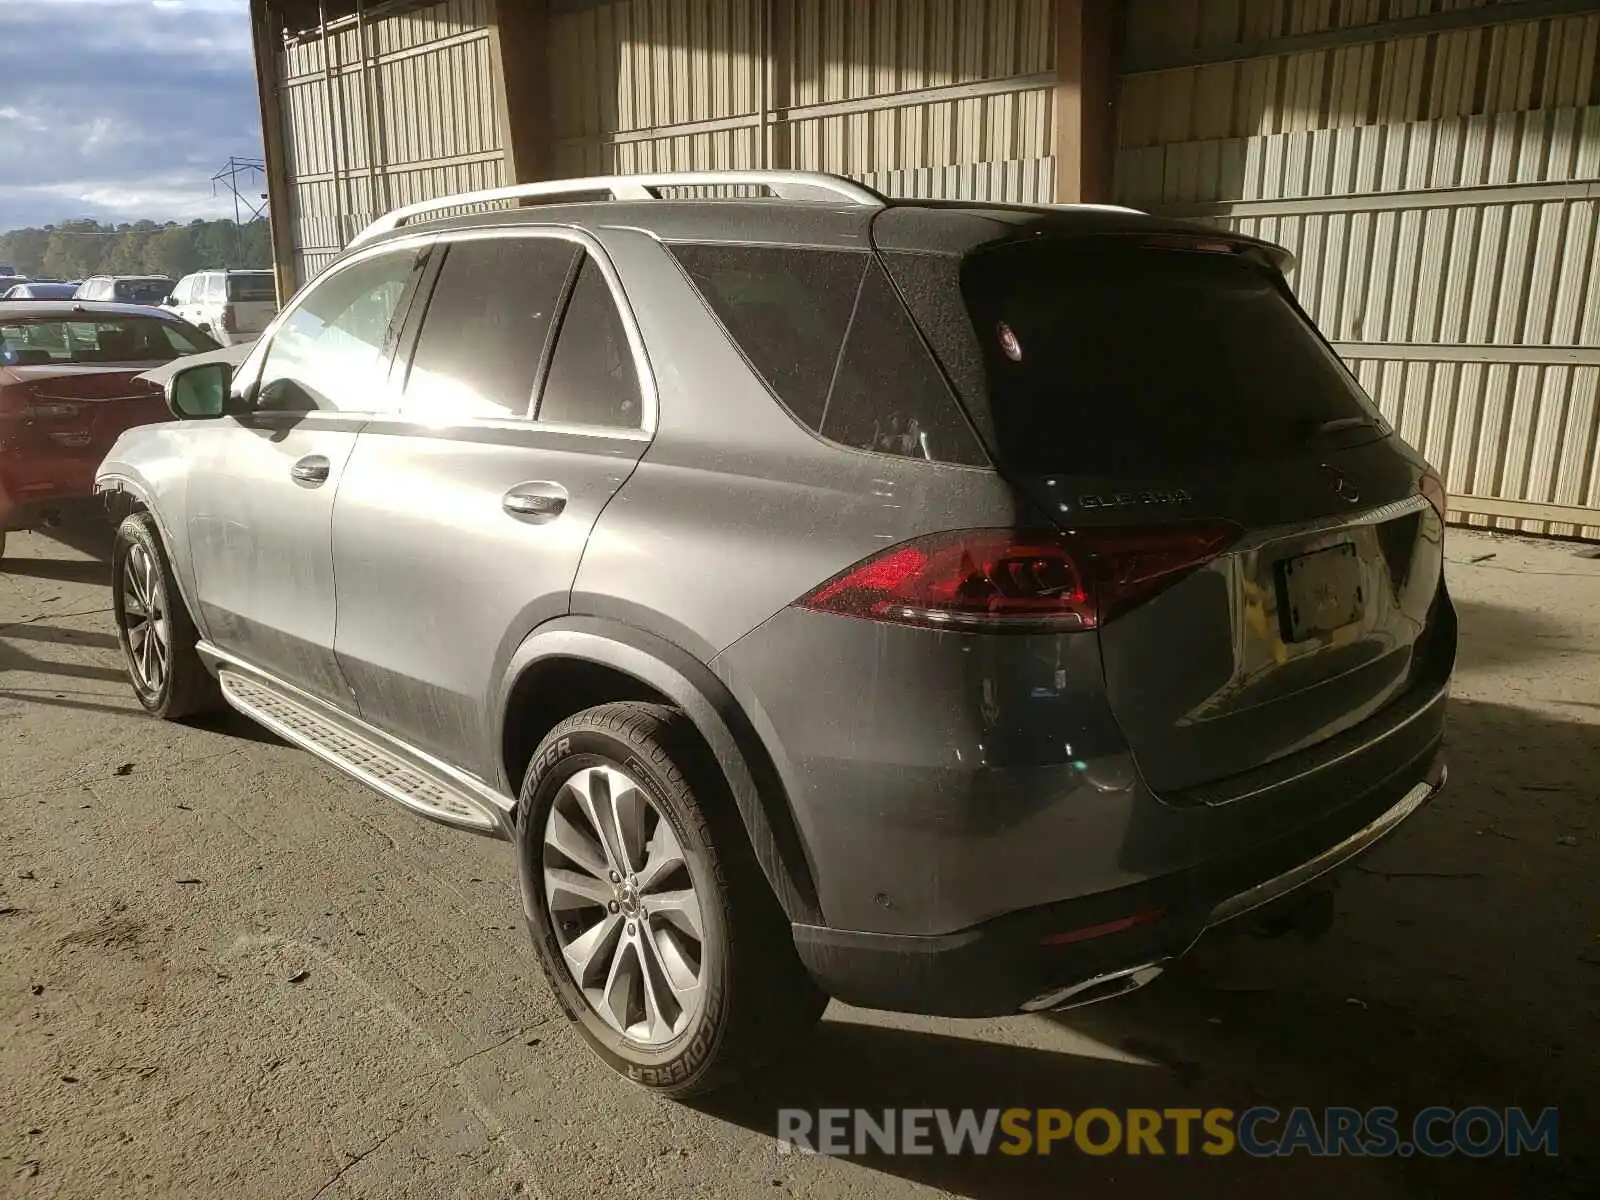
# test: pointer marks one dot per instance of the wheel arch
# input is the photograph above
(125, 495)
(646, 667)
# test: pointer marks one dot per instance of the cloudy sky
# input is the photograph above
(122, 109)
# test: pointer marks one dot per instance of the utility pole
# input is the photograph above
(243, 177)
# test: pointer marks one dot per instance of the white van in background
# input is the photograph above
(232, 306)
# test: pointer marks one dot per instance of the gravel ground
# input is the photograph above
(226, 970)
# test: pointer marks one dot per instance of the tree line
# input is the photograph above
(78, 249)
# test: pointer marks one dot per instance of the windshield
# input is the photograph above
(1103, 359)
(142, 291)
(44, 341)
(252, 287)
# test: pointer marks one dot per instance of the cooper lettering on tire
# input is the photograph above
(651, 919)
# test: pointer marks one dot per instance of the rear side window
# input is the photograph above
(1108, 359)
(787, 309)
(592, 379)
(827, 333)
(484, 334)
(142, 291)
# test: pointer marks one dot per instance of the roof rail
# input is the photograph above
(785, 185)
(1122, 208)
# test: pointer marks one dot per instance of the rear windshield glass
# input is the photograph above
(1099, 359)
(251, 287)
(142, 291)
(39, 342)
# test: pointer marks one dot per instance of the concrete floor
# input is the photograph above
(225, 970)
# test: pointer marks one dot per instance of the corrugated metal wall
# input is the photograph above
(384, 111)
(1442, 192)
(949, 98)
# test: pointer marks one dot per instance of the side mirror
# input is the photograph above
(200, 392)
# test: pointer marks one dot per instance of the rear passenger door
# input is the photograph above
(460, 524)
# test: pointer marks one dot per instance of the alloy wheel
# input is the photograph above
(145, 620)
(623, 905)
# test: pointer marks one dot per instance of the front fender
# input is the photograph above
(690, 685)
(147, 467)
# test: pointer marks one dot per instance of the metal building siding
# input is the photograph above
(1442, 195)
(626, 78)
(382, 112)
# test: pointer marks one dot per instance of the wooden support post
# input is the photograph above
(1088, 33)
(265, 32)
(519, 46)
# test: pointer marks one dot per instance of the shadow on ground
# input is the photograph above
(235, 724)
(88, 535)
(1493, 635)
(61, 570)
(1462, 970)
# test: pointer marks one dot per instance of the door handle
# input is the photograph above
(535, 501)
(311, 470)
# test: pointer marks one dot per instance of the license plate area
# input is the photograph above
(1319, 592)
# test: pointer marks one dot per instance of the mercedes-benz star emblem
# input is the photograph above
(1342, 487)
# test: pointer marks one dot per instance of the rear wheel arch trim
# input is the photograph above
(691, 686)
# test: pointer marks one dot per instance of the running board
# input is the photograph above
(387, 770)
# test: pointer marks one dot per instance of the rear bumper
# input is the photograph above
(1092, 948)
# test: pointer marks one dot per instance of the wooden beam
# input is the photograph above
(1523, 510)
(268, 41)
(1087, 50)
(518, 48)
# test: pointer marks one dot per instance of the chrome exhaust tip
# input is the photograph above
(1092, 991)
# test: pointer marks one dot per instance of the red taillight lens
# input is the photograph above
(999, 579)
(1433, 489)
(230, 320)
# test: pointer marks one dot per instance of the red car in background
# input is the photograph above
(69, 384)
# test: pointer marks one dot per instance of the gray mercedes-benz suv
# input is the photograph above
(946, 607)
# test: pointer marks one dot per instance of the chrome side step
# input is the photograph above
(360, 754)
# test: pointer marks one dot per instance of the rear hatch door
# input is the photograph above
(254, 300)
(1135, 388)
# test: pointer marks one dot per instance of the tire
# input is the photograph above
(168, 677)
(753, 996)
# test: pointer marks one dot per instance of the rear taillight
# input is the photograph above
(1433, 489)
(230, 319)
(1001, 579)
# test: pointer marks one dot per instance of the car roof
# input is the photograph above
(15, 309)
(936, 226)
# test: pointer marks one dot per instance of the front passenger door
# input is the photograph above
(262, 483)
